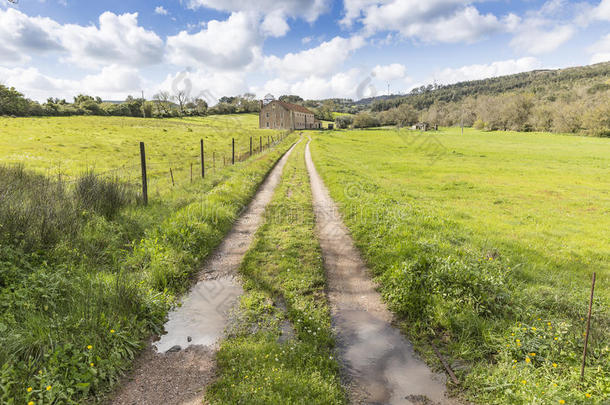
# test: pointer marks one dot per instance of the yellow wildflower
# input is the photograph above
(539, 319)
(588, 395)
(527, 360)
(554, 365)
(89, 347)
(523, 382)
(31, 403)
(49, 388)
(561, 401)
(556, 338)
(533, 354)
(549, 323)
(111, 330)
(29, 389)
(533, 328)
(518, 340)
(92, 364)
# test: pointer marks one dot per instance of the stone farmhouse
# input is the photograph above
(281, 115)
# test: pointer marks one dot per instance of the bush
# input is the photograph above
(344, 121)
(366, 120)
(103, 196)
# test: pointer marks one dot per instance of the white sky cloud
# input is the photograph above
(308, 10)
(426, 21)
(482, 71)
(390, 72)
(600, 50)
(161, 10)
(537, 41)
(225, 45)
(111, 83)
(320, 61)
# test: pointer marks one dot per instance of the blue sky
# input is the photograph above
(314, 48)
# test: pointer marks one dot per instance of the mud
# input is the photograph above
(379, 363)
(196, 326)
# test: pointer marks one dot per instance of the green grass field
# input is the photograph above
(486, 244)
(71, 145)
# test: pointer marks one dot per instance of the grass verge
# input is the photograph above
(280, 346)
(77, 305)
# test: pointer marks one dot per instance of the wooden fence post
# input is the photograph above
(584, 352)
(233, 151)
(202, 161)
(144, 178)
(172, 176)
(260, 149)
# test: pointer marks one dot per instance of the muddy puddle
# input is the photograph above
(201, 319)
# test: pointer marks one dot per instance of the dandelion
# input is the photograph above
(534, 328)
(518, 344)
(533, 354)
(89, 347)
(512, 334)
(518, 340)
(527, 360)
(31, 403)
(111, 330)
(539, 319)
(556, 338)
(523, 382)
(549, 323)
(588, 395)
(561, 401)
(514, 361)
(49, 388)
(554, 365)
(29, 389)
(92, 364)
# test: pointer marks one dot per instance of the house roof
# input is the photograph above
(294, 107)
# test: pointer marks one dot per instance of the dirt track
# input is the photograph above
(181, 377)
(379, 363)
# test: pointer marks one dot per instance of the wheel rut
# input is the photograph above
(177, 368)
(379, 363)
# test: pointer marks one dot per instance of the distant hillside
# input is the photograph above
(549, 83)
(573, 100)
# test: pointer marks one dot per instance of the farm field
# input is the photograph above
(69, 146)
(485, 244)
(87, 273)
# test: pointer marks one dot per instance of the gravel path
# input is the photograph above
(162, 377)
(379, 363)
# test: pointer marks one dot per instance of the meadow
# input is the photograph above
(485, 245)
(69, 146)
(87, 273)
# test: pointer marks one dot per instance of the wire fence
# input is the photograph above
(166, 175)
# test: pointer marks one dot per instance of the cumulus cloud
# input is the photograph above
(23, 35)
(111, 83)
(308, 10)
(427, 21)
(161, 10)
(600, 50)
(483, 71)
(228, 45)
(118, 39)
(602, 11)
(319, 61)
(275, 24)
(342, 84)
(537, 41)
(390, 72)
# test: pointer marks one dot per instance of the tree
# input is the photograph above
(344, 121)
(163, 102)
(291, 99)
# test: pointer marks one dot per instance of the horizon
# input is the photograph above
(318, 50)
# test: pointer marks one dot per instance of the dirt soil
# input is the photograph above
(379, 363)
(181, 377)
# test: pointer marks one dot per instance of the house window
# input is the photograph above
(267, 114)
(267, 124)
